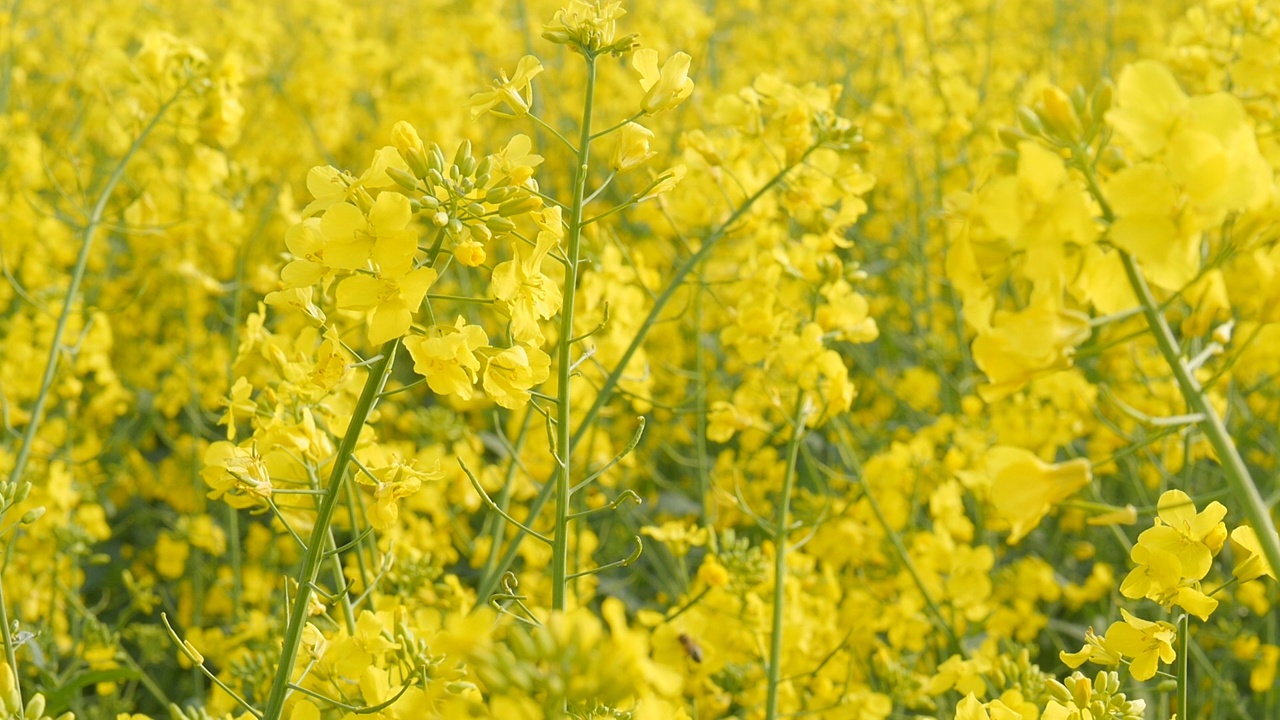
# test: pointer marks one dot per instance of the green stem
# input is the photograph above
(780, 561)
(1238, 478)
(73, 290)
(1241, 483)
(319, 533)
(1184, 681)
(564, 428)
(606, 388)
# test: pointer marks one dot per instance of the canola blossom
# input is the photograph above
(639, 360)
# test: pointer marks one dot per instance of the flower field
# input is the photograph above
(645, 360)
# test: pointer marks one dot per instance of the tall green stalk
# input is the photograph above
(1243, 489)
(774, 670)
(317, 544)
(1239, 480)
(489, 583)
(564, 428)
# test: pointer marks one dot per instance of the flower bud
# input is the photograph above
(520, 205)
(435, 159)
(499, 195)
(469, 253)
(403, 178)
(32, 515)
(499, 225)
(463, 153)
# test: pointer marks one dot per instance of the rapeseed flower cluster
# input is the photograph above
(632, 359)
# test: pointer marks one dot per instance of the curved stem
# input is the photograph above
(73, 290)
(319, 533)
(774, 669)
(564, 366)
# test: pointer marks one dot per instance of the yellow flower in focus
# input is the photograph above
(1024, 488)
(446, 357)
(516, 93)
(236, 474)
(631, 148)
(663, 88)
(523, 290)
(1251, 563)
(509, 374)
(1194, 538)
(1148, 643)
(383, 236)
(393, 300)
(469, 253)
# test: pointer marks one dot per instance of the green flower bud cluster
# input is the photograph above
(1099, 699)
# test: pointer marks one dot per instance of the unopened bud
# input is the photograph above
(435, 159)
(1103, 95)
(475, 209)
(519, 205)
(463, 154)
(429, 202)
(1029, 121)
(440, 219)
(499, 225)
(499, 195)
(403, 178)
(1010, 137)
(32, 515)
(559, 36)
(416, 159)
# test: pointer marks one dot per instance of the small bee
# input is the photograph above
(691, 647)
